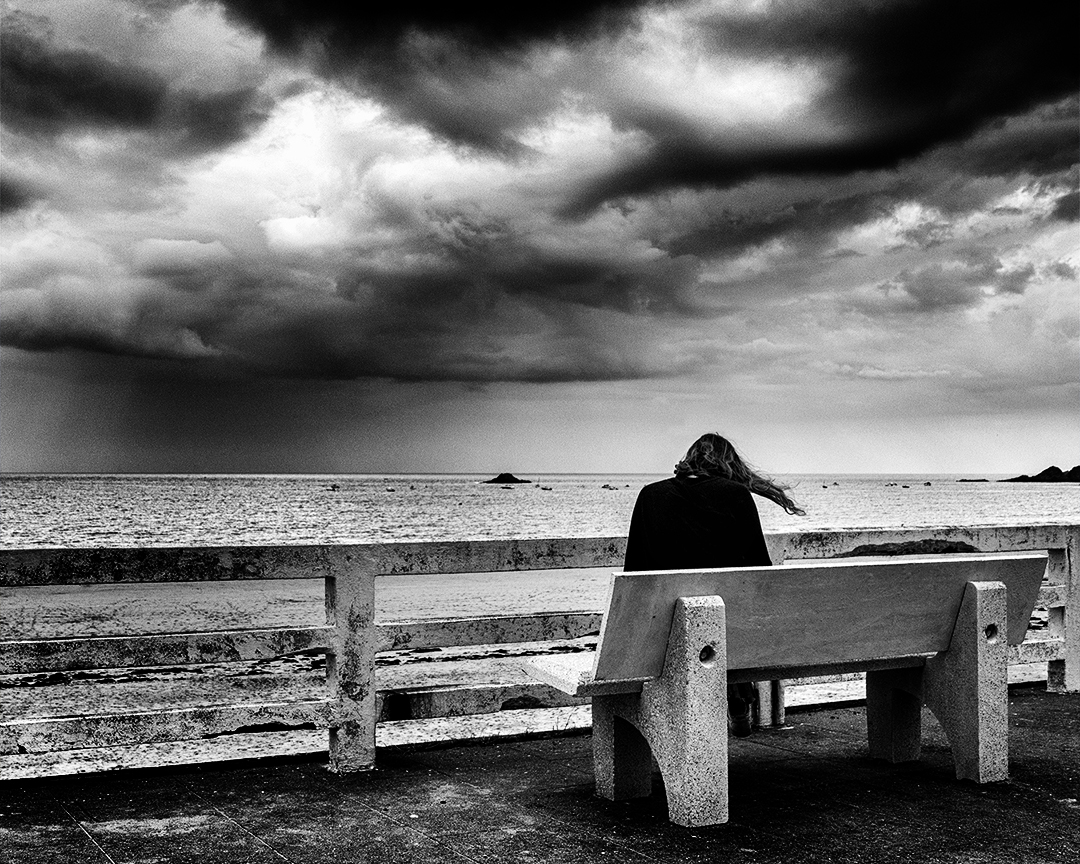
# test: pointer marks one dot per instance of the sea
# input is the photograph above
(212, 510)
(121, 510)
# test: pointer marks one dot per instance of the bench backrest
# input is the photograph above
(811, 613)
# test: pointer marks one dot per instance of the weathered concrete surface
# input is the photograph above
(162, 564)
(27, 567)
(43, 713)
(303, 566)
(502, 725)
(676, 720)
(69, 611)
(806, 794)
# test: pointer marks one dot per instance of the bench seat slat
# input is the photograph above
(572, 673)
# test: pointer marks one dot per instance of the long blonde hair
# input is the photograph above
(712, 455)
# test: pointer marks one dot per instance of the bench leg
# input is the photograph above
(769, 710)
(683, 717)
(622, 759)
(967, 689)
(894, 713)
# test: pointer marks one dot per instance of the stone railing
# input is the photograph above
(352, 636)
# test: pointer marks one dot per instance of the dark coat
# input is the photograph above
(685, 523)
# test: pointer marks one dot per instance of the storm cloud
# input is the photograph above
(895, 80)
(891, 80)
(44, 91)
(14, 195)
(762, 197)
(463, 70)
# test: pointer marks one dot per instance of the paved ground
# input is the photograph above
(804, 794)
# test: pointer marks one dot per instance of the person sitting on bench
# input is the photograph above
(705, 517)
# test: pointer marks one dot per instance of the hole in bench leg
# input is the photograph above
(991, 633)
(707, 656)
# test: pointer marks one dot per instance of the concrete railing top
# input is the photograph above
(52, 566)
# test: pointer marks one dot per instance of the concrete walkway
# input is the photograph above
(807, 793)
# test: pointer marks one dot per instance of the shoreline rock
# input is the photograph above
(506, 478)
(1053, 474)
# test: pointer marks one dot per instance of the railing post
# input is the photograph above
(1063, 676)
(350, 659)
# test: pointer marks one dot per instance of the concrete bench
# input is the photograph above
(932, 631)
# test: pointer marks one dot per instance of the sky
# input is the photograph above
(263, 236)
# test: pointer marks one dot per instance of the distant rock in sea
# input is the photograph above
(506, 478)
(1053, 474)
(972, 480)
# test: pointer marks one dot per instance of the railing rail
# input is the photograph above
(352, 637)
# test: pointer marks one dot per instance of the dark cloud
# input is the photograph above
(214, 120)
(934, 288)
(1067, 207)
(1013, 280)
(343, 28)
(1062, 270)
(15, 195)
(450, 66)
(423, 325)
(960, 284)
(45, 91)
(904, 77)
(808, 223)
(382, 262)
(925, 235)
(1045, 140)
(809, 214)
(921, 71)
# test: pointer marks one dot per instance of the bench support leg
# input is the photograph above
(967, 689)
(683, 718)
(769, 710)
(894, 713)
(621, 755)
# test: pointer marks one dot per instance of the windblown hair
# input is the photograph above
(713, 456)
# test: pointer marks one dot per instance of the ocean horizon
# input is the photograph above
(108, 509)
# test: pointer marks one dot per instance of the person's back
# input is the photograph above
(704, 517)
(688, 522)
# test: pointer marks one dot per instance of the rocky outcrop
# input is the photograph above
(1053, 474)
(909, 547)
(506, 478)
